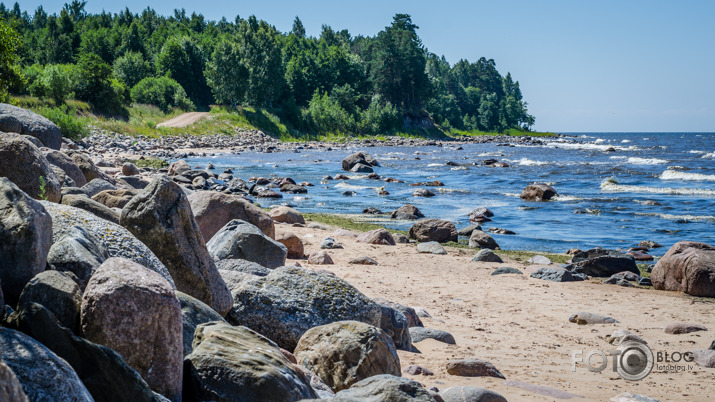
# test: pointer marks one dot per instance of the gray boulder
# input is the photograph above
(96, 186)
(377, 236)
(385, 388)
(466, 232)
(58, 293)
(479, 239)
(419, 334)
(22, 121)
(556, 275)
(92, 206)
(115, 198)
(473, 368)
(359, 158)
(486, 255)
(244, 266)
(64, 162)
(24, 164)
(237, 364)
(25, 239)
(506, 270)
(361, 168)
(395, 325)
(470, 394)
(193, 314)
(413, 320)
(214, 210)
(538, 192)
(77, 251)
(687, 267)
(160, 216)
(586, 318)
(602, 263)
(242, 240)
(407, 212)
(86, 165)
(431, 247)
(433, 230)
(10, 387)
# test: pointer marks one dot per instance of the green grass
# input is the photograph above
(644, 269)
(512, 132)
(523, 256)
(156, 163)
(346, 222)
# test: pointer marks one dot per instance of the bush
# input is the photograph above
(96, 85)
(66, 119)
(56, 82)
(327, 116)
(162, 92)
(131, 68)
(379, 118)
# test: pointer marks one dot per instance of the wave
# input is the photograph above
(529, 162)
(589, 146)
(559, 197)
(459, 168)
(619, 157)
(710, 155)
(517, 195)
(696, 152)
(490, 154)
(670, 174)
(453, 190)
(599, 140)
(646, 161)
(435, 164)
(345, 186)
(625, 141)
(614, 187)
(678, 217)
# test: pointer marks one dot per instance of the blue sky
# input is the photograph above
(627, 65)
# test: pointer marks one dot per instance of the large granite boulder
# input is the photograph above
(413, 320)
(160, 216)
(96, 186)
(25, 239)
(292, 243)
(24, 164)
(479, 239)
(290, 300)
(135, 312)
(114, 239)
(10, 387)
(43, 375)
(193, 314)
(285, 214)
(14, 119)
(385, 388)
(407, 212)
(687, 267)
(64, 162)
(602, 263)
(377, 236)
(58, 293)
(92, 206)
(538, 192)
(470, 394)
(86, 165)
(78, 252)
(214, 210)
(102, 370)
(345, 352)
(237, 364)
(359, 158)
(242, 240)
(433, 230)
(115, 198)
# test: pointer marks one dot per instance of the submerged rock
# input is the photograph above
(538, 192)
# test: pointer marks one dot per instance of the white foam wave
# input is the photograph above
(646, 161)
(459, 168)
(679, 175)
(453, 190)
(710, 155)
(435, 164)
(588, 146)
(528, 162)
(612, 187)
(345, 186)
(625, 141)
(696, 152)
(560, 197)
(490, 154)
(619, 157)
(600, 140)
(679, 217)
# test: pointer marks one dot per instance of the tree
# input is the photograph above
(226, 74)
(261, 54)
(9, 70)
(298, 29)
(56, 79)
(182, 59)
(162, 92)
(131, 68)
(96, 85)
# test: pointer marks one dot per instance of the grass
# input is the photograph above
(512, 132)
(156, 163)
(523, 256)
(346, 222)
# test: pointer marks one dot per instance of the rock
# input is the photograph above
(363, 261)
(58, 293)
(473, 368)
(479, 215)
(86, 165)
(16, 152)
(91, 206)
(501, 231)
(134, 182)
(678, 328)
(704, 357)
(617, 281)
(194, 313)
(160, 216)
(359, 157)
(178, 168)
(96, 186)
(486, 255)
(414, 369)
(115, 314)
(245, 266)
(377, 236)
(242, 240)
(584, 318)
(466, 232)
(290, 300)
(43, 375)
(422, 192)
(394, 323)
(214, 210)
(345, 352)
(602, 263)
(320, 257)
(385, 388)
(628, 397)
(286, 215)
(400, 238)
(421, 312)
(506, 270)
(237, 364)
(538, 192)
(25, 239)
(372, 211)
(103, 371)
(539, 260)
(62, 177)
(687, 267)
(627, 275)
(129, 169)
(431, 247)
(115, 198)
(114, 239)
(482, 240)
(292, 243)
(556, 275)
(413, 320)
(649, 244)
(433, 230)
(22, 121)
(10, 387)
(314, 225)
(293, 189)
(343, 232)
(64, 162)
(419, 334)
(407, 212)
(361, 168)
(645, 282)
(349, 193)
(470, 394)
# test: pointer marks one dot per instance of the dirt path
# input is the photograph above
(184, 120)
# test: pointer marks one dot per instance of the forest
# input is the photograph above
(335, 83)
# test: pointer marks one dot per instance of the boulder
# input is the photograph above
(115, 198)
(470, 394)
(538, 192)
(377, 236)
(244, 266)
(556, 275)
(413, 320)
(290, 300)
(329, 243)
(25, 239)
(320, 257)
(14, 119)
(419, 334)
(23, 164)
(214, 210)
(433, 230)
(407, 212)
(359, 158)
(129, 169)
(486, 255)
(64, 162)
(539, 260)
(473, 368)
(422, 192)
(385, 388)
(704, 357)
(479, 239)
(431, 247)
(687, 267)
(194, 313)
(160, 216)
(414, 369)
(285, 214)
(10, 387)
(135, 312)
(602, 263)
(506, 270)
(237, 364)
(292, 243)
(345, 352)
(95, 208)
(394, 323)
(103, 371)
(178, 168)
(361, 168)
(58, 293)
(96, 186)
(86, 165)
(364, 260)
(44, 376)
(466, 232)
(242, 240)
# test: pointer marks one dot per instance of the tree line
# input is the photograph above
(333, 83)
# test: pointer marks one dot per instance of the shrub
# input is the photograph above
(96, 85)
(131, 68)
(57, 81)
(66, 119)
(379, 118)
(162, 92)
(326, 115)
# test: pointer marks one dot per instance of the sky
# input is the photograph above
(583, 66)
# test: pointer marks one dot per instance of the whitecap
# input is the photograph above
(600, 140)
(490, 154)
(710, 155)
(646, 161)
(587, 146)
(696, 152)
(453, 190)
(345, 186)
(459, 168)
(528, 162)
(559, 197)
(625, 141)
(619, 157)
(671, 174)
(512, 195)
(614, 187)
(435, 164)
(678, 217)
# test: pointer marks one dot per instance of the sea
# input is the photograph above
(614, 189)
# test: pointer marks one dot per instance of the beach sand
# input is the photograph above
(520, 324)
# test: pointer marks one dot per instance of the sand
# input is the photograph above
(520, 324)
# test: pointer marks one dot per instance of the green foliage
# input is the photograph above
(226, 73)
(162, 92)
(326, 115)
(345, 222)
(66, 119)
(131, 68)
(97, 85)
(379, 118)
(43, 192)
(55, 82)
(9, 70)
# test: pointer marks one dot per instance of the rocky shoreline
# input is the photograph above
(127, 283)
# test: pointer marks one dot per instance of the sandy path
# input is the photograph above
(520, 324)
(184, 120)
